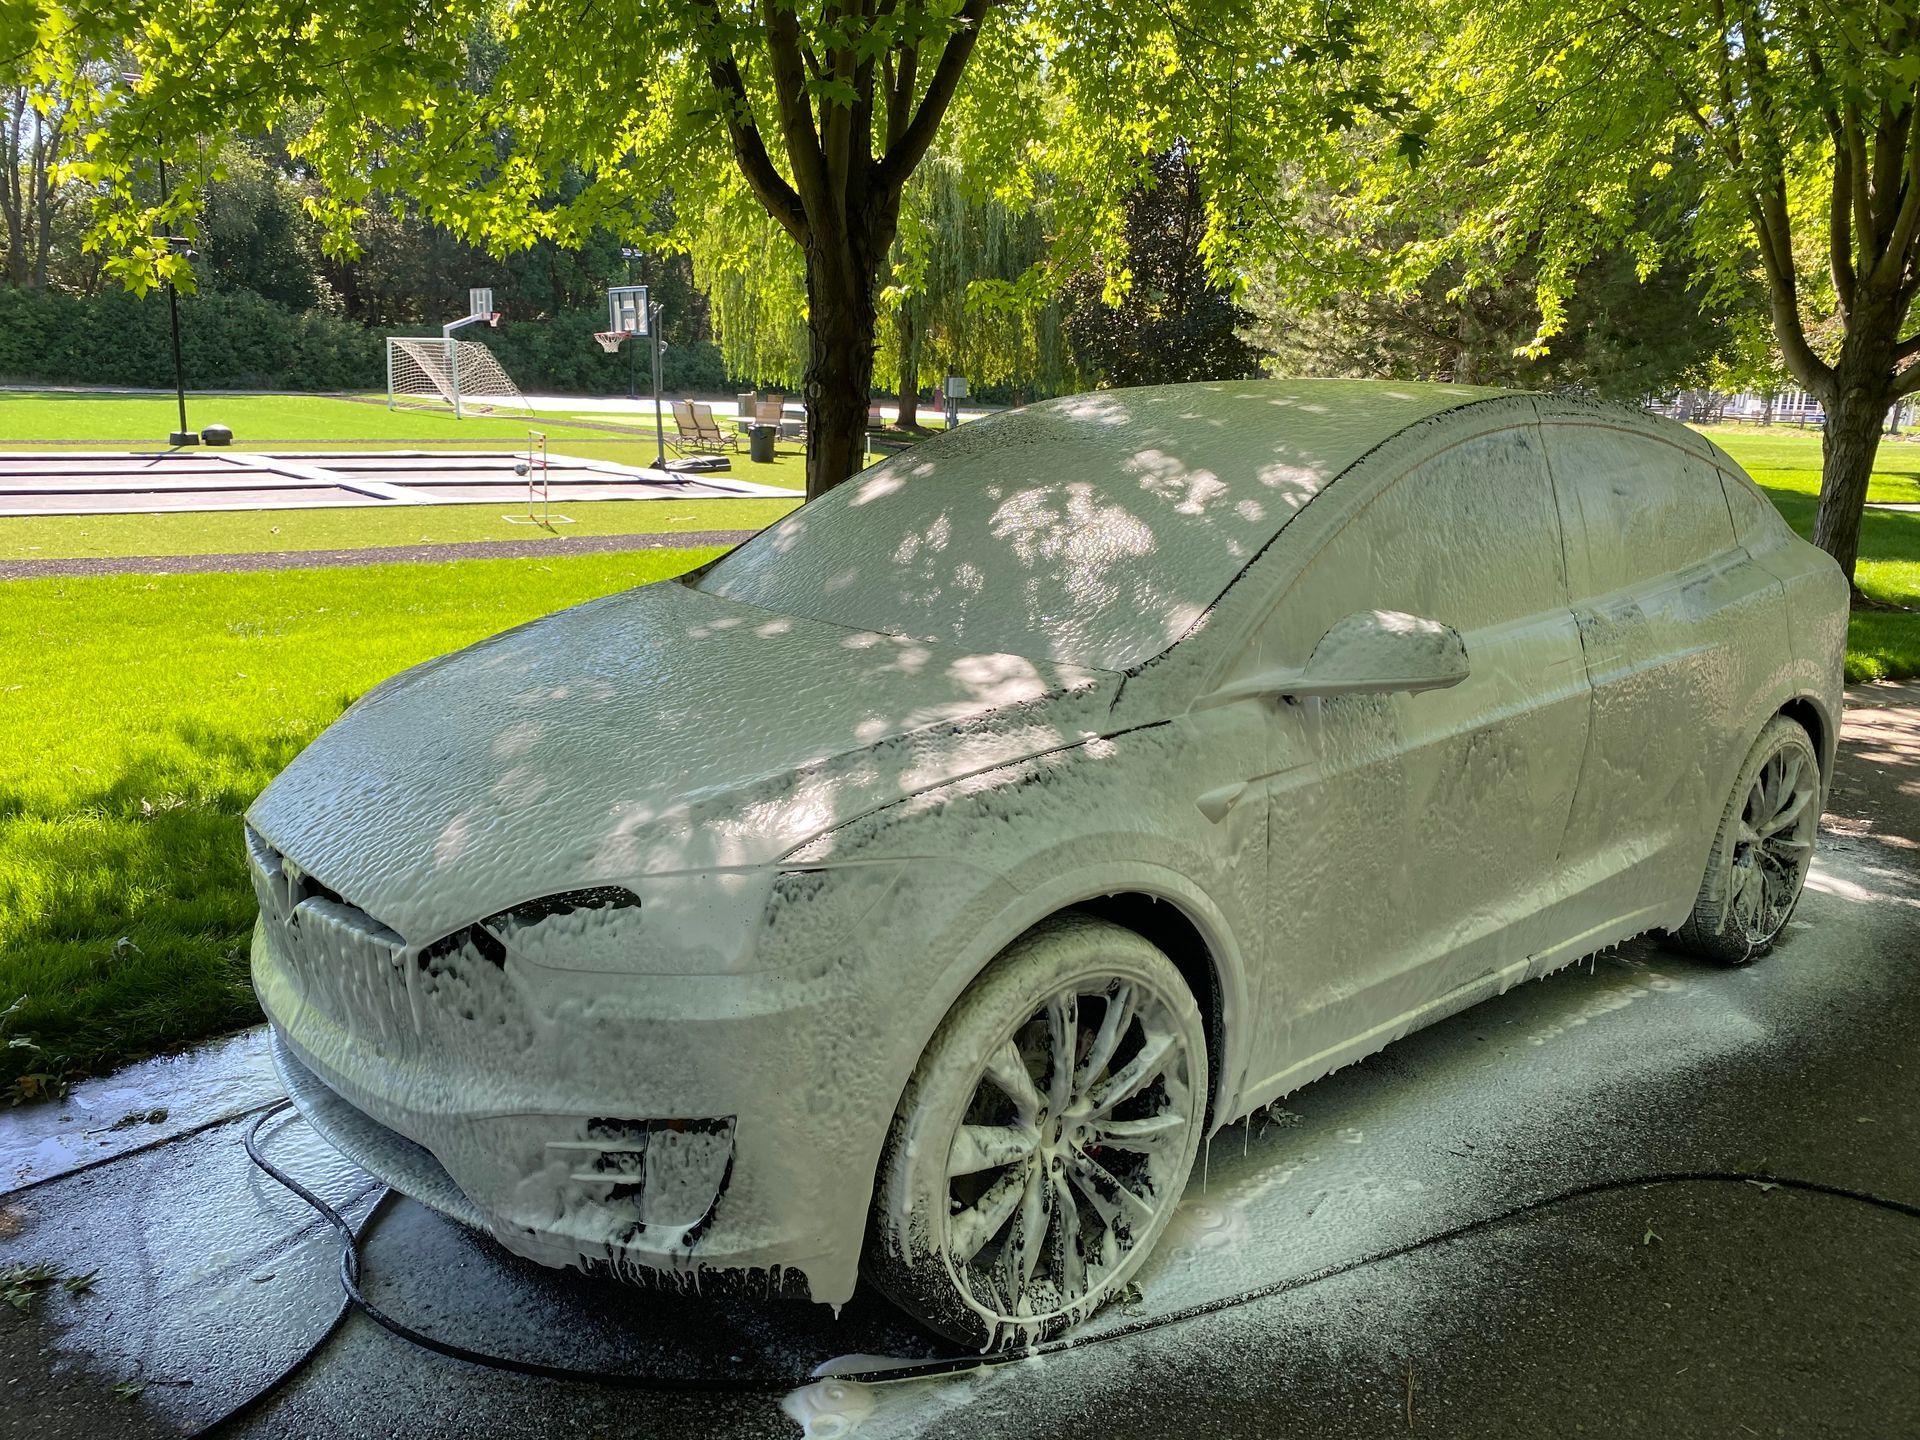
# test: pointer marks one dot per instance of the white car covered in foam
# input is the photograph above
(913, 890)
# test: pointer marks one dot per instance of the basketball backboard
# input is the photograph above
(627, 309)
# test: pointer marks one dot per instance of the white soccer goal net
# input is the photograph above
(426, 372)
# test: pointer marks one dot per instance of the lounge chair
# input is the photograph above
(686, 430)
(707, 429)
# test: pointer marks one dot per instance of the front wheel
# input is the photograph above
(1760, 856)
(1044, 1140)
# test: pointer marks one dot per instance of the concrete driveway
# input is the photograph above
(1674, 1310)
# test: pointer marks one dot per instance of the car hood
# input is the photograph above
(649, 732)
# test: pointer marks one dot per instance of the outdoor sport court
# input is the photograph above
(109, 482)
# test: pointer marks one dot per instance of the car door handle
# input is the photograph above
(1216, 803)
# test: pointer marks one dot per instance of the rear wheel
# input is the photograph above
(1044, 1139)
(1760, 855)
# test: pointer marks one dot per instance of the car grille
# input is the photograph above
(384, 993)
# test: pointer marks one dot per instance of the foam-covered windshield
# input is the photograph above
(1093, 530)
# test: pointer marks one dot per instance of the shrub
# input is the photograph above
(239, 341)
(227, 341)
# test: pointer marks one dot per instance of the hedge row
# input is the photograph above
(238, 341)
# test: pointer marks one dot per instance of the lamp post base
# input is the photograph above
(181, 438)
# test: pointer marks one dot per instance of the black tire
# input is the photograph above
(1758, 864)
(1083, 1185)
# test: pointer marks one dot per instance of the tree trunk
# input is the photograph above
(909, 415)
(1856, 409)
(839, 378)
(1848, 444)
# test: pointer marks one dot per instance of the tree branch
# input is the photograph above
(1729, 106)
(804, 154)
(861, 139)
(1724, 138)
(1839, 228)
(1905, 384)
(1771, 230)
(1866, 238)
(914, 142)
(749, 150)
(1906, 225)
(1839, 246)
(900, 95)
(846, 20)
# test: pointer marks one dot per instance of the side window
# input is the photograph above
(1636, 509)
(1468, 537)
(1756, 524)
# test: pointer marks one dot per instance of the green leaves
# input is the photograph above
(22, 1285)
(474, 109)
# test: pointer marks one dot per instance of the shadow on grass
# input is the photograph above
(124, 919)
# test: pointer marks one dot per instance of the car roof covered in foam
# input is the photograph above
(1093, 529)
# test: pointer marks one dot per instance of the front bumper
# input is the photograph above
(625, 1124)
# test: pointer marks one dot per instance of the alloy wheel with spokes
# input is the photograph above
(1761, 854)
(1775, 845)
(1063, 1103)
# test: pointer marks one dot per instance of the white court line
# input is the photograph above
(261, 463)
(261, 480)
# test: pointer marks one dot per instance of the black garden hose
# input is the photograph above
(771, 1385)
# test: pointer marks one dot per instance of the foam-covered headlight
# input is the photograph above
(698, 923)
(813, 911)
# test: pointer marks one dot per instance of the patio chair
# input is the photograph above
(773, 411)
(708, 430)
(686, 430)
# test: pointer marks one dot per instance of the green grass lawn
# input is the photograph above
(41, 419)
(57, 419)
(80, 418)
(1791, 457)
(241, 531)
(1881, 645)
(139, 716)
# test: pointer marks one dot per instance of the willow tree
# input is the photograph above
(822, 109)
(971, 290)
(1541, 121)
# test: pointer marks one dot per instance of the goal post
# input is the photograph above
(434, 372)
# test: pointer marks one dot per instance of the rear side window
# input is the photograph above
(1636, 509)
(1756, 524)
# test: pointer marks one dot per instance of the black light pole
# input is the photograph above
(182, 436)
(630, 254)
(659, 425)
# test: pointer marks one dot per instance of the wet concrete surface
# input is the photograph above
(1691, 1309)
(146, 1103)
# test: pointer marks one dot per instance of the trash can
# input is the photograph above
(760, 443)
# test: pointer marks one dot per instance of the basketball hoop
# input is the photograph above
(610, 340)
(494, 317)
